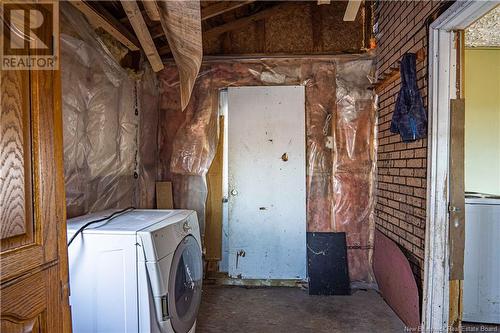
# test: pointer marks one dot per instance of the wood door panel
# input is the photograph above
(16, 220)
(11, 324)
(32, 304)
(44, 110)
(18, 262)
(32, 111)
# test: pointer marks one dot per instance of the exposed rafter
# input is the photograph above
(352, 10)
(151, 8)
(242, 22)
(221, 8)
(102, 18)
(141, 30)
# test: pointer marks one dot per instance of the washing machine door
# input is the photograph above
(184, 290)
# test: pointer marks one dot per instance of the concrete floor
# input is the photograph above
(291, 310)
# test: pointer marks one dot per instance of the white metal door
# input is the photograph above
(267, 187)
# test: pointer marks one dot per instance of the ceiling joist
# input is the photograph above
(141, 30)
(100, 17)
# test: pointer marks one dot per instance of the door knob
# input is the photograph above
(453, 209)
(234, 192)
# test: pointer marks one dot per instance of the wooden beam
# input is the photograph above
(151, 8)
(242, 22)
(456, 304)
(141, 30)
(103, 19)
(352, 10)
(221, 8)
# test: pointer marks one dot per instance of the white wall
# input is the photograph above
(482, 120)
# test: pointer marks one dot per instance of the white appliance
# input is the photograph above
(138, 272)
(482, 260)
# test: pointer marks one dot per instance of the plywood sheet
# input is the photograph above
(164, 197)
(213, 238)
(395, 280)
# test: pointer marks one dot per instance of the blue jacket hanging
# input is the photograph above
(409, 118)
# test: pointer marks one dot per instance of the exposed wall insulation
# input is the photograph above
(148, 99)
(109, 124)
(181, 22)
(340, 178)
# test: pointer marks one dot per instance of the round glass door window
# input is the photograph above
(184, 287)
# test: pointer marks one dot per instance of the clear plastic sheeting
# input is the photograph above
(148, 98)
(354, 165)
(103, 125)
(340, 129)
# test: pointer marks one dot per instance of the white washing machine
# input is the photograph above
(140, 271)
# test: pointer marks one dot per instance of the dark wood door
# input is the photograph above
(33, 259)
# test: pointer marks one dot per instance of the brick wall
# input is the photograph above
(401, 184)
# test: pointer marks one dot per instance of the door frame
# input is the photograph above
(442, 77)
